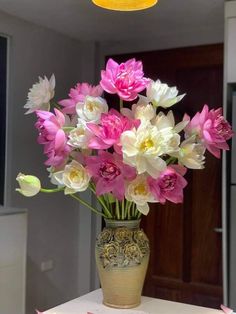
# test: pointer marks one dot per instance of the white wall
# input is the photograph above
(57, 229)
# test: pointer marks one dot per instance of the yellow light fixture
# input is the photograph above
(125, 5)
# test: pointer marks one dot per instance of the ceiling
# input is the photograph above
(82, 20)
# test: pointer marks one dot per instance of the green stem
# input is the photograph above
(52, 190)
(117, 210)
(67, 128)
(130, 212)
(171, 160)
(128, 208)
(54, 104)
(102, 202)
(87, 205)
(121, 103)
(105, 208)
(123, 209)
(105, 200)
(139, 215)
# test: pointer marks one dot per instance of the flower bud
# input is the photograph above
(29, 185)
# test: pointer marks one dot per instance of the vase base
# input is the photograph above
(117, 306)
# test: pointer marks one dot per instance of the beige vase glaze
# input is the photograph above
(122, 256)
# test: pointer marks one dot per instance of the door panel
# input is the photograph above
(186, 253)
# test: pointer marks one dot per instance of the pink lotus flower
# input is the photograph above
(112, 125)
(52, 136)
(226, 309)
(125, 79)
(211, 128)
(109, 173)
(78, 94)
(169, 185)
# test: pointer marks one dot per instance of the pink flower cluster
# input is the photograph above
(119, 150)
(110, 175)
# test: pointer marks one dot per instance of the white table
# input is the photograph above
(92, 303)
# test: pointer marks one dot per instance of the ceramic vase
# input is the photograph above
(122, 256)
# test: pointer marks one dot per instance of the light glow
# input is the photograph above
(125, 5)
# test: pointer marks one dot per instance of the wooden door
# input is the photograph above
(186, 253)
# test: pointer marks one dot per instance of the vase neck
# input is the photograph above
(130, 224)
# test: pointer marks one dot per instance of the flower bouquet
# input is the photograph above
(127, 158)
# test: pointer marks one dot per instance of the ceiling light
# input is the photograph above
(125, 5)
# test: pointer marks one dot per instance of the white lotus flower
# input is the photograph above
(29, 185)
(91, 109)
(75, 177)
(142, 110)
(161, 95)
(163, 121)
(169, 131)
(141, 149)
(79, 137)
(138, 191)
(191, 155)
(40, 94)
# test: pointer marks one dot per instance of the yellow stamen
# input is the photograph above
(146, 144)
(75, 175)
(140, 189)
(91, 106)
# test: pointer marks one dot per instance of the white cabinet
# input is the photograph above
(13, 231)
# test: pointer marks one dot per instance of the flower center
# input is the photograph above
(91, 106)
(146, 144)
(140, 189)
(75, 175)
(168, 182)
(223, 128)
(109, 171)
(80, 131)
(124, 78)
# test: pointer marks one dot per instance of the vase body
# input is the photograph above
(122, 256)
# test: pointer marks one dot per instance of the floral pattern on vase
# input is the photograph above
(122, 255)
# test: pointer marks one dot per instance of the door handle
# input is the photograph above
(218, 230)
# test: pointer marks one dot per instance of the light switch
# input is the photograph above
(47, 265)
